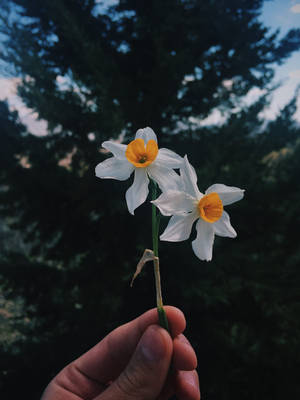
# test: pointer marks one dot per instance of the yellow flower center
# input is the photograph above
(210, 207)
(140, 155)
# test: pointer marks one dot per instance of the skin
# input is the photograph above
(136, 361)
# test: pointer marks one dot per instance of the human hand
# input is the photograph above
(133, 363)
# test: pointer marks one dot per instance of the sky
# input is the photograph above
(282, 14)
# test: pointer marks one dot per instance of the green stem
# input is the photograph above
(154, 221)
(163, 321)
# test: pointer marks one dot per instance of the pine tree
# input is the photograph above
(93, 73)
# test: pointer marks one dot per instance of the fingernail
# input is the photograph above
(152, 344)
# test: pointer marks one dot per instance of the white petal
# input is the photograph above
(228, 194)
(168, 158)
(146, 134)
(189, 179)
(138, 191)
(166, 178)
(173, 202)
(117, 149)
(113, 168)
(179, 228)
(222, 227)
(203, 244)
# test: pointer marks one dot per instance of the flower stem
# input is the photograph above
(163, 321)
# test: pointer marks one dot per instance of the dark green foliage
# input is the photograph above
(152, 63)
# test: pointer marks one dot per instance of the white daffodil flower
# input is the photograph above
(142, 157)
(188, 205)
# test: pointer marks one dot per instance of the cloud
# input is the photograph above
(295, 9)
(8, 87)
(253, 95)
(228, 83)
(214, 118)
(297, 113)
(8, 91)
(295, 74)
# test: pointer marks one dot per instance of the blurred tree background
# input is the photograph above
(68, 244)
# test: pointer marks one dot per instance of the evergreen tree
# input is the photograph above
(93, 72)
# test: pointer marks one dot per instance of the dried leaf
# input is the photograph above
(147, 256)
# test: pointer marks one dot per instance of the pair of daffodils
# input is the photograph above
(180, 198)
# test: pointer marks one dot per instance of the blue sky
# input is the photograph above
(282, 14)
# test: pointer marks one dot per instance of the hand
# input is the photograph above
(133, 362)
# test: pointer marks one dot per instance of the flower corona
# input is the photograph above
(140, 155)
(210, 207)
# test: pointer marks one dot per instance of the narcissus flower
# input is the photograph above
(143, 157)
(188, 205)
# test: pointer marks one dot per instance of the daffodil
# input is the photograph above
(143, 157)
(188, 205)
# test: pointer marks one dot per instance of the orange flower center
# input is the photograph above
(140, 155)
(210, 207)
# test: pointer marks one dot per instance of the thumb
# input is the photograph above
(146, 372)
